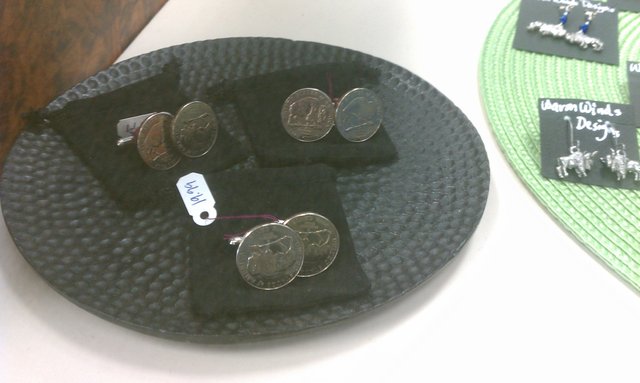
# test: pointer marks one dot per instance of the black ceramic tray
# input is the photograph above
(407, 219)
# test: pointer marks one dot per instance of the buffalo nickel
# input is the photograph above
(154, 142)
(270, 256)
(195, 129)
(321, 242)
(308, 114)
(359, 115)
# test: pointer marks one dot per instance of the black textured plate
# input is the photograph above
(407, 219)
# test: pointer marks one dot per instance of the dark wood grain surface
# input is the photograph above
(46, 46)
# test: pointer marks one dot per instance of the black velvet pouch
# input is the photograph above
(259, 101)
(89, 127)
(216, 285)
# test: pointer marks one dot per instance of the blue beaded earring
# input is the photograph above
(581, 38)
(553, 30)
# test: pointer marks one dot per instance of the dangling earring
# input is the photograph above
(554, 30)
(617, 160)
(581, 38)
(577, 160)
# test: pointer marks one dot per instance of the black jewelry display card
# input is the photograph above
(633, 70)
(591, 137)
(603, 27)
(626, 5)
(216, 285)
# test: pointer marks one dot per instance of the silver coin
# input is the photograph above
(307, 114)
(270, 256)
(321, 242)
(359, 115)
(154, 142)
(194, 129)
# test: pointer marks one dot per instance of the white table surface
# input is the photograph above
(522, 302)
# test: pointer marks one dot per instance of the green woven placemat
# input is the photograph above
(604, 220)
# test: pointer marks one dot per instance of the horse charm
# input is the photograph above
(554, 30)
(634, 167)
(577, 160)
(618, 162)
(581, 39)
(584, 41)
(546, 29)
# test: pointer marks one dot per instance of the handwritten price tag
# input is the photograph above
(127, 126)
(197, 198)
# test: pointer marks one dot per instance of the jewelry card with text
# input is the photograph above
(589, 142)
(586, 30)
(626, 5)
(633, 71)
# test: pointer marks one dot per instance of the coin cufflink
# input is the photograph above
(194, 129)
(162, 138)
(320, 239)
(272, 255)
(358, 115)
(308, 114)
(269, 256)
(153, 140)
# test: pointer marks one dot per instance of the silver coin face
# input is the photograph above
(359, 115)
(321, 242)
(307, 114)
(195, 129)
(154, 142)
(270, 256)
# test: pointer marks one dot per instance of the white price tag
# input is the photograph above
(127, 126)
(197, 198)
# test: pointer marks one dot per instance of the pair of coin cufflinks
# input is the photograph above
(163, 139)
(308, 114)
(272, 255)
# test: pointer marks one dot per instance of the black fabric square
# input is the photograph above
(216, 285)
(259, 101)
(89, 127)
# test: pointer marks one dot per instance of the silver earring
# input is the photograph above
(581, 38)
(576, 160)
(617, 160)
(554, 30)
